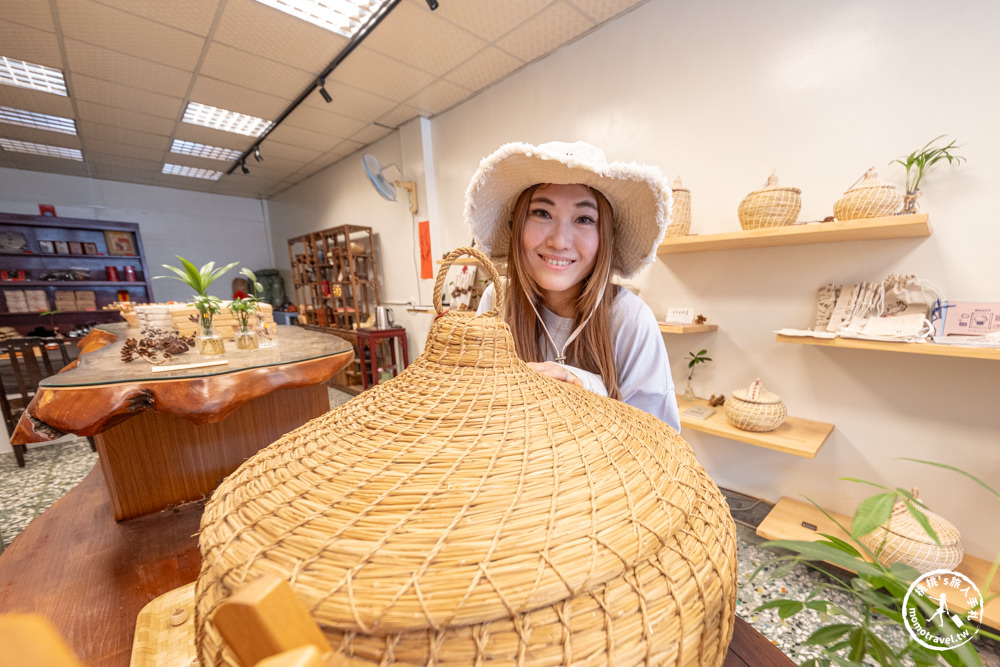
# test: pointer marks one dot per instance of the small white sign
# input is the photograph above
(680, 316)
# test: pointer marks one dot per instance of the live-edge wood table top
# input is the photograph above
(102, 390)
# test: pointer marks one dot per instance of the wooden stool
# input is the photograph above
(369, 339)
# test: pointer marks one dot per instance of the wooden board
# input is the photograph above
(797, 436)
(160, 640)
(932, 349)
(687, 328)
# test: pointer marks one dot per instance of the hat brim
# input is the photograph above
(638, 194)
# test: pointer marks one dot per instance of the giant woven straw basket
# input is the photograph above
(680, 212)
(869, 198)
(471, 511)
(755, 409)
(903, 540)
(771, 206)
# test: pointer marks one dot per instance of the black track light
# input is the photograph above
(322, 91)
(256, 154)
(432, 4)
(243, 166)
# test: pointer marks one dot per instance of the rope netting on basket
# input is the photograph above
(473, 511)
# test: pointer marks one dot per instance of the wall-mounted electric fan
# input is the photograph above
(385, 180)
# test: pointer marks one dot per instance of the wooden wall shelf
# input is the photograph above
(784, 522)
(797, 436)
(931, 349)
(893, 227)
(687, 328)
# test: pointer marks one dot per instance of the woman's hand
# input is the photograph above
(555, 371)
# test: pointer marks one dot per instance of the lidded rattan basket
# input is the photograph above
(471, 511)
(755, 409)
(869, 198)
(903, 540)
(772, 206)
(680, 212)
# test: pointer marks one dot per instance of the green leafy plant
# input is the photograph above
(244, 307)
(695, 358)
(919, 161)
(877, 591)
(199, 280)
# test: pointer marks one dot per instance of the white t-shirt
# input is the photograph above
(641, 361)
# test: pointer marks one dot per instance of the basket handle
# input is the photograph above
(482, 259)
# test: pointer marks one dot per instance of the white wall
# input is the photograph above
(721, 93)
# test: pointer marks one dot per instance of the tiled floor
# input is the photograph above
(53, 470)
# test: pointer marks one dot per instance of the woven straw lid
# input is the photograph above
(756, 393)
(903, 524)
(467, 489)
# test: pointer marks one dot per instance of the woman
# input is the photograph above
(566, 221)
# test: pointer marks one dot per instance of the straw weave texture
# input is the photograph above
(473, 511)
(903, 540)
(680, 215)
(771, 206)
(766, 413)
(869, 199)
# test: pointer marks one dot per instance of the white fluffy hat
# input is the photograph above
(639, 196)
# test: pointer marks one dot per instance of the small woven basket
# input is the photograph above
(755, 409)
(472, 511)
(772, 206)
(869, 198)
(680, 213)
(903, 540)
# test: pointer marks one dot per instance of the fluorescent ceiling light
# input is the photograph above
(344, 17)
(192, 172)
(40, 149)
(39, 121)
(228, 121)
(204, 150)
(23, 74)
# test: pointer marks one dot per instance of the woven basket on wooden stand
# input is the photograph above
(680, 213)
(772, 206)
(903, 540)
(869, 198)
(471, 511)
(755, 409)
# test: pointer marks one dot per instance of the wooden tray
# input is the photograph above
(161, 638)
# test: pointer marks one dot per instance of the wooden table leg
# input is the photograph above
(154, 460)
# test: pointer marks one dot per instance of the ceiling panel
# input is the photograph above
(132, 66)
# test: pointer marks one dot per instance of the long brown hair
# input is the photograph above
(593, 349)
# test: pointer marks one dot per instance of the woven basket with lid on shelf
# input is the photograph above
(903, 540)
(471, 511)
(868, 198)
(680, 210)
(755, 409)
(773, 205)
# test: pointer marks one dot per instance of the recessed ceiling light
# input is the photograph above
(39, 121)
(344, 17)
(204, 150)
(23, 74)
(40, 149)
(228, 121)
(191, 172)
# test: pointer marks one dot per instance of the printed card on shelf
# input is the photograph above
(698, 412)
(679, 316)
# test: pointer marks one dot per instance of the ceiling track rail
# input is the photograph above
(352, 44)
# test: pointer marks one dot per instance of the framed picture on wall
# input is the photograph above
(62, 248)
(75, 248)
(119, 243)
(90, 249)
(46, 247)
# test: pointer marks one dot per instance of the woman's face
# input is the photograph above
(559, 242)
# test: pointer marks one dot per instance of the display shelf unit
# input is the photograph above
(796, 436)
(932, 349)
(785, 522)
(335, 282)
(32, 232)
(687, 328)
(892, 227)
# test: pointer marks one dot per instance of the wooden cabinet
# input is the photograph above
(59, 273)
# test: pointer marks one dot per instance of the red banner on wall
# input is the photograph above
(426, 261)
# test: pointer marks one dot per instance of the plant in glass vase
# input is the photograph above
(917, 163)
(207, 341)
(694, 358)
(244, 309)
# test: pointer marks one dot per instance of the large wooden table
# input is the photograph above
(91, 576)
(167, 438)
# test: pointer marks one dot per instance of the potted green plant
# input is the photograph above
(861, 633)
(918, 162)
(208, 342)
(694, 358)
(244, 309)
